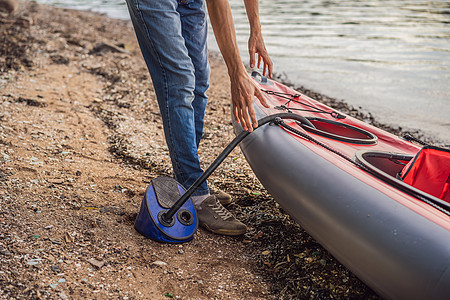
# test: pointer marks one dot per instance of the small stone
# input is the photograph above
(68, 238)
(55, 268)
(59, 59)
(56, 180)
(5, 252)
(102, 48)
(96, 263)
(159, 263)
(55, 242)
(9, 6)
(33, 262)
(113, 210)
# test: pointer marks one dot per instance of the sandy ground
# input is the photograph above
(81, 138)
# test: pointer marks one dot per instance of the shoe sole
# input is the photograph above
(224, 231)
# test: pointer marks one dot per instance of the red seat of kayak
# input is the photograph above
(429, 171)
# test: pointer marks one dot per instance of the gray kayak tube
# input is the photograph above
(399, 253)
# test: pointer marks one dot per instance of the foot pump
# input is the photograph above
(167, 213)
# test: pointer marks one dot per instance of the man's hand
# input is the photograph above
(243, 88)
(243, 91)
(255, 42)
(256, 46)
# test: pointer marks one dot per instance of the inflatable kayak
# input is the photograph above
(376, 202)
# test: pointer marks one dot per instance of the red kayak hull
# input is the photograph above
(398, 244)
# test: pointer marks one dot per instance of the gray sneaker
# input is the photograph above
(214, 217)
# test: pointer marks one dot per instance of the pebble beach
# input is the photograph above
(81, 138)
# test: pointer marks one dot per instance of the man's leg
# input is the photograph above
(159, 31)
(180, 88)
(194, 31)
(211, 214)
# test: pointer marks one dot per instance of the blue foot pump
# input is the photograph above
(167, 213)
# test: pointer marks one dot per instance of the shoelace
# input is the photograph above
(221, 211)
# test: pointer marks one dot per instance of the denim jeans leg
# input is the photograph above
(158, 28)
(195, 30)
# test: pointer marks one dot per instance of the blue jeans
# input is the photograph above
(172, 37)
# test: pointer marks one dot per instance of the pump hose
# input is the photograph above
(166, 217)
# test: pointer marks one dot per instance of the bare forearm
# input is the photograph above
(252, 9)
(223, 26)
(256, 42)
(243, 88)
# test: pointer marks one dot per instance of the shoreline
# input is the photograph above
(81, 138)
(339, 104)
(431, 134)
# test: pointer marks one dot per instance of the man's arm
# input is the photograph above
(256, 42)
(243, 89)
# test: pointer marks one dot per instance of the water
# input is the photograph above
(113, 8)
(389, 57)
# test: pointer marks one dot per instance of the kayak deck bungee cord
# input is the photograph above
(375, 201)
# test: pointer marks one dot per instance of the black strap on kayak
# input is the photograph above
(411, 138)
(442, 206)
(291, 98)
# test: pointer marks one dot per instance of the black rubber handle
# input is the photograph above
(167, 217)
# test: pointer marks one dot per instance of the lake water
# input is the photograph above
(389, 57)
